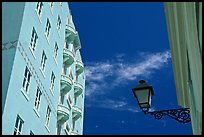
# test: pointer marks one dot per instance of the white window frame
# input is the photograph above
(48, 28)
(26, 80)
(67, 127)
(64, 70)
(31, 132)
(71, 74)
(56, 51)
(18, 126)
(61, 3)
(70, 101)
(37, 99)
(39, 7)
(43, 61)
(61, 98)
(65, 44)
(52, 83)
(51, 6)
(73, 125)
(34, 39)
(48, 115)
(59, 22)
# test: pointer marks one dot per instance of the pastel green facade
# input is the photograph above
(19, 19)
(184, 22)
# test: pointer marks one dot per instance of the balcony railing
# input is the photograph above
(79, 66)
(63, 113)
(74, 133)
(70, 34)
(76, 112)
(78, 88)
(65, 84)
(68, 57)
(77, 43)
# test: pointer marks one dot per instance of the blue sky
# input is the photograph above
(121, 44)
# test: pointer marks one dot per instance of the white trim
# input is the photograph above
(51, 8)
(42, 72)
(47, 128)
(31, 50)
(47, 38)
(36, 112)
(38, 16)
(58, 32)
(36, 77)
(55, 60)
(25, 94)
(66, 132)
(52, 92)
(59, 25)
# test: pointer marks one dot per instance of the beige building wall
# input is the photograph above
(184, 22)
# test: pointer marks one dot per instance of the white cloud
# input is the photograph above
(112, 104)
(102, 77)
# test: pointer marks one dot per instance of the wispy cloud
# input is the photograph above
(119, 105)
(99, 75)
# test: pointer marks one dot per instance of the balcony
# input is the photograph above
(78, 88)
(74, 133)
(63, 113)
(77, 43)
(70, 34)
(68, 57)
(65, 84)
(76, 112)
(79, 67)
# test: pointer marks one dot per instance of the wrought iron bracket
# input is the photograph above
(182, 115)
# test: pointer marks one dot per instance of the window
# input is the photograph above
(48, 27)
(65, 44)
(39, 8)
(75, 100)
(55, 51)
(64, 70)
(26, 80)
(34, 39)
(67, 127)
(59, 126)
(73, 125)
(70, 99)
(58, 23)
(37, 99)
(31, 133)
(18, 126)
(70, 74)
(61, 98)
(43, 60)
(48, 116)
(61, 3)
(77, 77)
(52, 81)
(51, 4)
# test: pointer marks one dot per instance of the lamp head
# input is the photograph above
(143, 93)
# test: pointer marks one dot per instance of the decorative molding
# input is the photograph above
(36, 77)
(9, 45)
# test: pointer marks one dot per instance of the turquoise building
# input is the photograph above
(43, 80)
(184, 23)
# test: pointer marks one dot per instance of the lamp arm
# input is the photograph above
(182, 115)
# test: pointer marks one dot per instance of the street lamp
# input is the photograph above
(143, 93)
